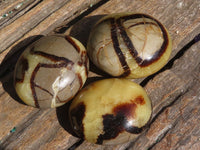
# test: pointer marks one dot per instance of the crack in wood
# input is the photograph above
(159, 138)
(185, 116)
(167, 106)
(20, 129)
(166, 130)
(26, 125)
(75, 145)
(17, 13)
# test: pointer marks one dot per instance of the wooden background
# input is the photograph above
(174, 90)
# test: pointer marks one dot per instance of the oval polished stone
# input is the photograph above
(110, 111)
(129, 45)
(51, 71)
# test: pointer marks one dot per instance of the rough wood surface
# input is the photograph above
(174, 91)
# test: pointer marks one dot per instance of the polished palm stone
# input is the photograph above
(51, 71)
(110, 111)
(129, 45)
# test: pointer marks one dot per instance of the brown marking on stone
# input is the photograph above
(77, 115)
(86, 66)
(54, 58)
(139, 100)
(126, 110)
(130, 46)
(80, 63)
(51, 57)
(23, 65)
(119, 122)
(32, 85)
(73, 43)
(43, 89)
(84, 61)
(97, 54)
(112, 127)
(60, 62)
(80, 79)
(115, 41)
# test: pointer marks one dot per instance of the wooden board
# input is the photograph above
(174, 90)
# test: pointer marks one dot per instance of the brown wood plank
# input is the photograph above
(14, 10)
(35, 135)
(174, 91)
(19, 27)
(12, 113)
(184, 133)
(5, 6)
(43, 18)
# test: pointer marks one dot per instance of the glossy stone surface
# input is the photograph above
(110, 111)
(129, 45)
(51, 71)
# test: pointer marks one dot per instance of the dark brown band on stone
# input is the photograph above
(78, 113)
(50, 56)
(130, 46)
(23, 62)
(61, 62)
(32, 84)
(117, 49)
(71, 41)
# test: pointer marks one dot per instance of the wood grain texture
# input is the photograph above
(14, 10)
(41, 19)
(174, 90)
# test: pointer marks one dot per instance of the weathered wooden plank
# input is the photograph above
(19, 27)
(185, 132)
(35, 135)
(6, 5)
(61, 140)
(44, 17)
(12, 114)
(166, 89)
(14, 10)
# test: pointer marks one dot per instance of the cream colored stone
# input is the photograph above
(51, 71)
(110, 97)
(127, 42)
